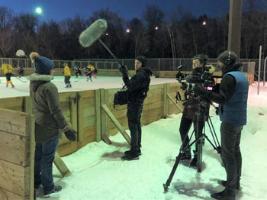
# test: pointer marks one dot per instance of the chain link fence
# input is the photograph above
(156, 64)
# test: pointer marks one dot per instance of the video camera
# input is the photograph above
(200, 76)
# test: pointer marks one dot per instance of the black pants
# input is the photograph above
(67, 80)
(185, 125)
(134, 112)
(231, 155)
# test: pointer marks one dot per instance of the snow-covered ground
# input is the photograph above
(99, 174)
(22, 84)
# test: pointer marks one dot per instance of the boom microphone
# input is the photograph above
(93, 32)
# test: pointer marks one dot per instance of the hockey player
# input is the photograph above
(67, 75)
(89, 72)
(7, 70)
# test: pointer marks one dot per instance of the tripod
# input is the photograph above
(202, 116)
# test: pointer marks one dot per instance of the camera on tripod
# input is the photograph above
(202, 77)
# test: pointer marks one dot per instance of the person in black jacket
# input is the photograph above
(138, 87)
(191, 106)
(232, 99)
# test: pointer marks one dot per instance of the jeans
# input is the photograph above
(185, 125)
(134, 111)
(231, 155)
(44, 157)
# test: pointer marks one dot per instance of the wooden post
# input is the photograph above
(116, 123)
(173, 101)
(30, 129)
(234, 34)
(104, 124)
(98, 114)
(74, 111)
(61, 166)
(165, 100)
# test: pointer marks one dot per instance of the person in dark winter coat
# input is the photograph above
(232, 99)
(49, 120)
(191, 106)
(137, 87)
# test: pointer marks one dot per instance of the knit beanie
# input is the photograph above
(142, 59)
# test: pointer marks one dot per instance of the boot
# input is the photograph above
(138, 151)
(224, 183)
(131, 155)
(56, 188)
(186, 155)
(193, 162)
(226, 194)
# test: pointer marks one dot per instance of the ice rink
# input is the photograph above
(78, 84)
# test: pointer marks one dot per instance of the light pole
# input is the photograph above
(172, 43)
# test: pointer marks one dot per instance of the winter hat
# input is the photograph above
(142, 59)
(228, 58)
(43, 65)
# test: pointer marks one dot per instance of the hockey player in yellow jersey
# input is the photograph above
(7, 70)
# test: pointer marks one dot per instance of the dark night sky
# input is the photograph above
(61, 9)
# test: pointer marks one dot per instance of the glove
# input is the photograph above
(123, 69)
(201, 91)
(217, 110)
(70, 134)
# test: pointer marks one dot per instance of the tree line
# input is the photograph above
(154, 35)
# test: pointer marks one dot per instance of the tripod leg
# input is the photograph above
(177, 161)
(168, 182)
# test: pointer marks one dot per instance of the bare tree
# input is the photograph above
(6, 40)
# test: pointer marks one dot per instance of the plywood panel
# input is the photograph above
(14, 148)
(13, 122)
(14, 103)
(6, 195)
(12, 178)
(86, 117)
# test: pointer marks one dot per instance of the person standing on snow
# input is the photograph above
(49, 120)
(232, 98)
(137, 88)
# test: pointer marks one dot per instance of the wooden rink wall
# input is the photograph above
(83, 110)
(17, 155)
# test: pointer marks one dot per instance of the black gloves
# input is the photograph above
(70, 134)
(123, 69)
(201, 91)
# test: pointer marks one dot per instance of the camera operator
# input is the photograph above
(137, 88)
(191, 106)
(232, 98)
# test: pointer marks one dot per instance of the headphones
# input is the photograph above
(230, 59)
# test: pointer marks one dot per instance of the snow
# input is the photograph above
(99, 174)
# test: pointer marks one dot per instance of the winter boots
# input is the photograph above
(224, 183)
(226, 194)
(56, 188)
(131, 155)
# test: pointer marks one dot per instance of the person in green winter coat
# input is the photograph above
(49, 120)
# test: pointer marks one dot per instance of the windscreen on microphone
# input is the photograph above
(93, 32)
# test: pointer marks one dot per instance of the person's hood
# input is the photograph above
(147, 70)
(235, 67)
(38, 79)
